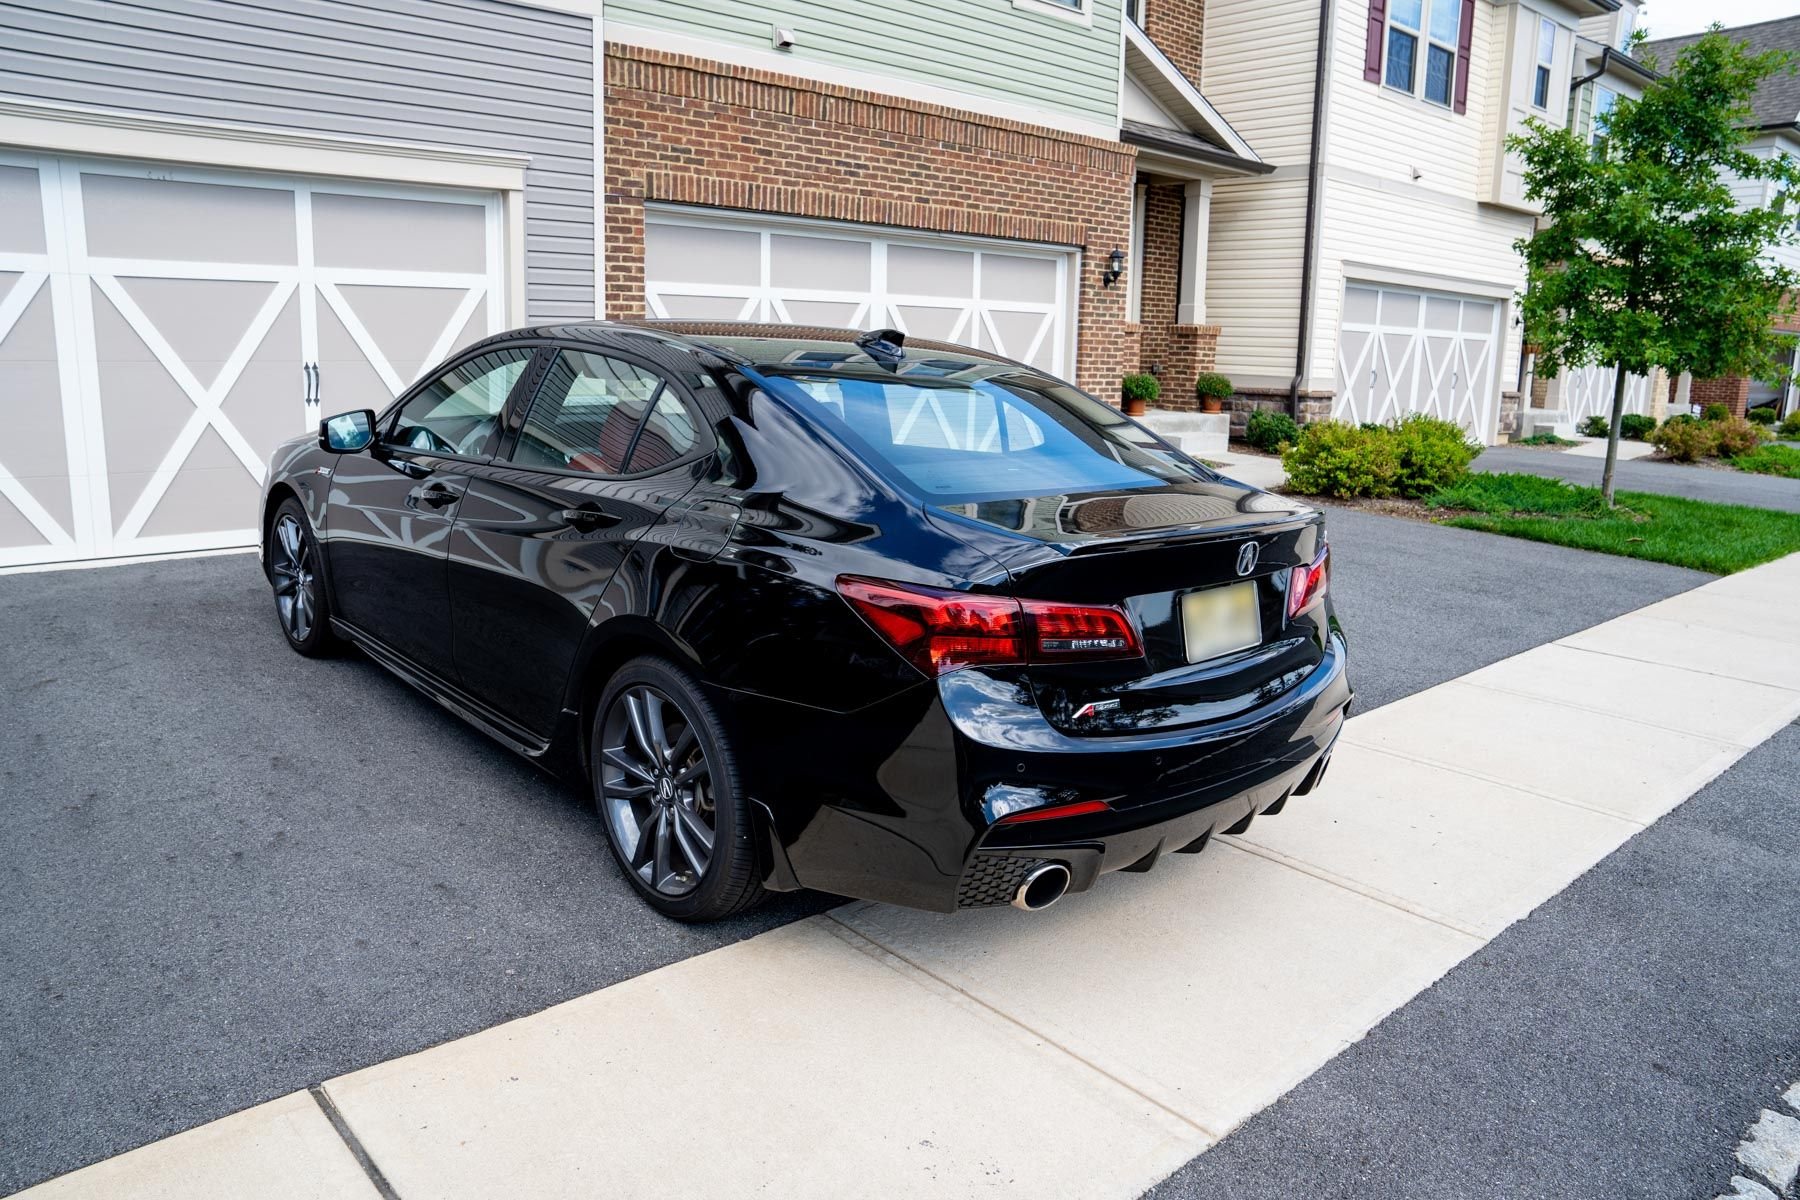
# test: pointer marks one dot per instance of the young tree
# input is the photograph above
(1644, 258)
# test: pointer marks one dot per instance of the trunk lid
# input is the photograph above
(1151, 551)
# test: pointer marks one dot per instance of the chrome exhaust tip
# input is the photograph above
(1042, 888)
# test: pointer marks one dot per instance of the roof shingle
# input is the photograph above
(1777, 101)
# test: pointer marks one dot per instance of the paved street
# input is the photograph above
(237, 872)
(1645, 475)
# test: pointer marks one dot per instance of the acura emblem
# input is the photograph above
(1247, 556)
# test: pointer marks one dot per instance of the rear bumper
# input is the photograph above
(897, 802)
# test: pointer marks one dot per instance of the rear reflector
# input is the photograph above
(1079, 808)
(938, 630)
(1306, 585)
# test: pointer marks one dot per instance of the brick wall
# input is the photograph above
(1176, 26)
(1162, 268)
(687, 130)
(1733, 391)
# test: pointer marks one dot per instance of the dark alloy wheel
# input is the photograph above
(300, 603)
(665, 786)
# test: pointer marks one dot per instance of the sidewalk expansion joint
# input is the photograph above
(869, 945)
(353, 1143)
(1722, 743)
(1350, 885)
(1659, 662)
(1453, 769)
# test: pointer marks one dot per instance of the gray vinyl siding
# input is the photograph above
(475, 74)
(979, 47)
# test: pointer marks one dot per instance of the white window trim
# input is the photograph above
(1425, 42)
(1542, 64)
(1081, 14)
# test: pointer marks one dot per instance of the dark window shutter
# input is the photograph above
(1378, 31)
(1464, 39)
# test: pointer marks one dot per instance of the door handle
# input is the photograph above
(432, 495)
(587, 517)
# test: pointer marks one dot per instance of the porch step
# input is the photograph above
(1191, 432)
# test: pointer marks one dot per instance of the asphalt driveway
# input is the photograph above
(231, 872)
(1649, 475)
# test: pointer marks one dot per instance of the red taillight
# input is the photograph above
(1306, 585)
(940, 630)
(1079, 808)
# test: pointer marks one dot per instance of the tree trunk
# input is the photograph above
(1612, 434)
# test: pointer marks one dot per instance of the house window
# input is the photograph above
(1421, 48)
(1627, 23)
(1078, 11)
(1546, 56)
(1604, 99)
(1134, 12)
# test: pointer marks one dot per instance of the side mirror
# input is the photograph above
(348, 432)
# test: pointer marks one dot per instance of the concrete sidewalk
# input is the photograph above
(1088, 1050)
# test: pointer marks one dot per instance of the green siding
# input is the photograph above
(977, 47)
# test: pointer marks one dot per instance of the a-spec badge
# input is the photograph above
(1248, 553)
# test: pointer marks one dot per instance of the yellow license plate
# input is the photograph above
(1219, 620)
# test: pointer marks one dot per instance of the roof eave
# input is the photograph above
(1164, 80)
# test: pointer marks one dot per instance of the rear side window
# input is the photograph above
(990, 438)
(590, 413)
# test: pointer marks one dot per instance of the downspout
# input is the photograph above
(1321, 66)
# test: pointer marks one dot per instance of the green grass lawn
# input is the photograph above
(1720, 538)
(1770, 460)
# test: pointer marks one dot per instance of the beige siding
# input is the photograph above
(1258, 72)
(1253, 277)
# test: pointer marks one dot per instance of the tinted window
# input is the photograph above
(1003, 437)
(459, 412)
(587, 413)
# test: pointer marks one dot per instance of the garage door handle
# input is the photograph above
(432, 495)
(587, 517)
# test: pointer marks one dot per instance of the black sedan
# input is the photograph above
(903, 622)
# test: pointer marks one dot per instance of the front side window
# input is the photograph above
(1421, 48)
(589, 415)
(964, 442)
(459, 411)
(1546, 58)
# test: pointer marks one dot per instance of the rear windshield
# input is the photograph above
(1005, 437)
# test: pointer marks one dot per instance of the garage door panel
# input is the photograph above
(933, 324)
(143, 408)
(347, 380)
(1014, 277)
(1018, 335)
(811, 262)
(391, 233)
(268, 376)
(837, 314)
(699, 254)
(682, 307)
(1403, 351)
(210, 493)
(929, 271)
(202, 320)
(21, 210)
(410, 327)
(128, 216)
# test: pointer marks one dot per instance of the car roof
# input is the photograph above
(756, 345)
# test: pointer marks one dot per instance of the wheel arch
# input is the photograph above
(610, 646)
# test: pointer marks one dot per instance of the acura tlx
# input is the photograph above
(804, 608)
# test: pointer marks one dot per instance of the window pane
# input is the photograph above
(1409, 13)
(459, 412)
(1440, 68)
(585, 414)
(1604, 99)
(1540, 91)
(1546, 41)
(1446, 15)
(1401, 49)
(668, 435)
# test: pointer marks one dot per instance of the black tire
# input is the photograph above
(296, 575)
(637, 799)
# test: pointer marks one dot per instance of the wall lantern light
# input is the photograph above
(1115, 267)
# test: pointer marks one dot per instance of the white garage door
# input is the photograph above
(1403, 351)
(162, 328)
(1011, 299)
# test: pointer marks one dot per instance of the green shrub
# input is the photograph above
(1770, 460)
(1433, 454)
(1268, 430)
(1209, 385)
(1762, 416)
(1140, 387)
(1735, 436)
(1686, 440)
(1714, 412)
(1545, 438)
(1333, 459)
(1790, 428)
(1636, 426)
(1596, 426)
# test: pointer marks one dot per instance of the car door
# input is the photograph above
(392, 506)
(606, 446)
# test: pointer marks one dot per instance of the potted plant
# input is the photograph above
(1212, 391)
(1139, 391)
